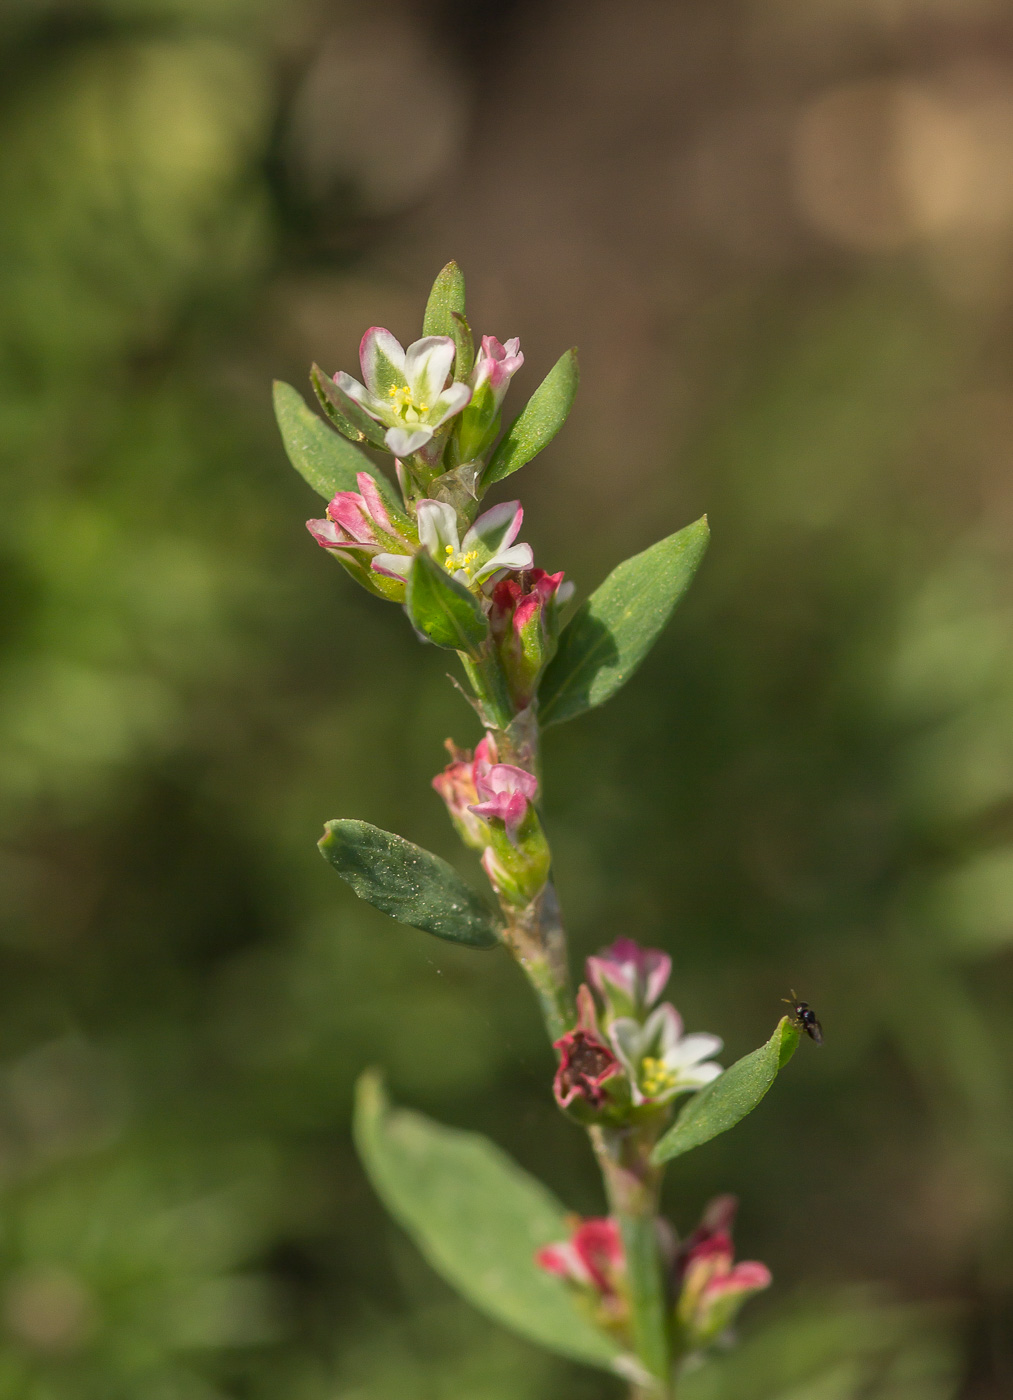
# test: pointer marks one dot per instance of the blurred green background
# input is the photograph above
(783, 238)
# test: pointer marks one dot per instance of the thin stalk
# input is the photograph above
(536, 938)
(633, 1187)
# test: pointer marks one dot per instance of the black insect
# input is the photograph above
(805, 1018)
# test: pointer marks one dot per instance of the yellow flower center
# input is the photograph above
(454, 561)
(401, 396)
(655, 1076)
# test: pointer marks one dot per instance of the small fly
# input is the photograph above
(805, 1018)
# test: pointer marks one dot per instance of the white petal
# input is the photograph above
(403, 443)
(382, 360)
(497, 528)
(393, 565)
(691, 1049)
(451, 401)
(699, 1075)
(426, 366)
(626, 1037)
(437, 527)
(663, 1028)
(375, 407)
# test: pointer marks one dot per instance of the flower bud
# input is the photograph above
(628, 978)
(489, 380)
(456, 785)
(358, 528)
(524, 618)
(712, 1288)
(592, 1261)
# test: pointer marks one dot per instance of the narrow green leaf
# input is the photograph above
(464, 360)
(321, 457)
(609, 636)
(443, 609)
(538, 422)
(728, 1099)
(478, 1219)
(446, 297)
(410, 884)
(348, 417)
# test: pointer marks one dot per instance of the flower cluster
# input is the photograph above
(644, 1043)
(706, 1287)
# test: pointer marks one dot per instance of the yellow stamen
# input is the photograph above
(655, 1076)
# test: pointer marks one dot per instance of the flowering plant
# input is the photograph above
(618, 1291)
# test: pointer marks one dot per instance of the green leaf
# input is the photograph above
(446, 298)
(323, 459)
(443, 609)
(609, 636)
(478, 1219)
(538, 422)
(727, 1099)
(410, 884)
(349, 417)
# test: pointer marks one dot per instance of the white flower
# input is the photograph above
(406, 390)
(486, 548)
(660, 1061)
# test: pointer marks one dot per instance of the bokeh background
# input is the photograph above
(782, 236)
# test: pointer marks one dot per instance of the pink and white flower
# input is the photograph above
(487, 548)
(628, 978)
(406, 390)
(494, 367)
(456, 785)
(504, 793)
(358, 526)
(660, 1061)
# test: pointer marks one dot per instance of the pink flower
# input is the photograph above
(585, 1061)
(456, 785)
(358, 527)
(592, 1258)
(628, 978)
(713, 1286)
(504, 792)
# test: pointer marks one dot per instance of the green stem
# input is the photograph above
(535, 937)
(485, 675)
(633, 1187)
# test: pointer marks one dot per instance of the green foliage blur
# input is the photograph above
(781, 239)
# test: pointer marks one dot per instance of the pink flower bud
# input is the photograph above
(712, 1286)
(505, 792)
(524, 617)
(456, 785)
(628, 978)
(591, 1259)
(358, 530)
(496, 365)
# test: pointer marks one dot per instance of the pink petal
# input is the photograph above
(374, 501)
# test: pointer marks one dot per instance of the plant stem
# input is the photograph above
(536, 938)
(633, 1187)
